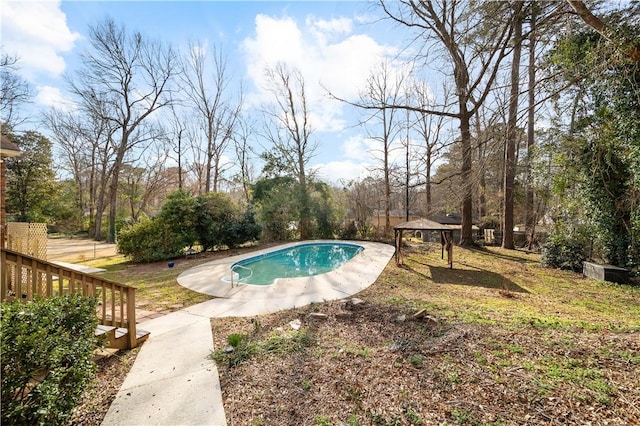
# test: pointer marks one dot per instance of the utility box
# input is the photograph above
(609, 273)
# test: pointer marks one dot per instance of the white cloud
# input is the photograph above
(333, 26)
(359, 148)
(37, 33)
(324, 30)
(339, 171)
(327, 53)
(360, 155)
(49, 96)
(277, 40)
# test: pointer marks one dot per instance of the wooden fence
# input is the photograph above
(24, 277)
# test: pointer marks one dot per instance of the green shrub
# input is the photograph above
(216, 214)
(179, 213)
(211, 220)
(242, 230)
(47, 358)
(150, 240)
(349, 231)
(564, 250)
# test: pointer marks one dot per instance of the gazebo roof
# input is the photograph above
(423, 225)
(8, 148)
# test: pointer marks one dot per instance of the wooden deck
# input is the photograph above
(24, 277)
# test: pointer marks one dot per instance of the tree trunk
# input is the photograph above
(466, 234)
(304, 212)
(428, 182)
(113, 188)
(100, 203)
(407, 175)
(530, 213)
(387, 176)
(207, 179)
(510, 151)
(113, 203)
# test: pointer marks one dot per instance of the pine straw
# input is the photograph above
(110, 374)
(379, 365)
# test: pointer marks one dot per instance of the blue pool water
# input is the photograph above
(303, 260)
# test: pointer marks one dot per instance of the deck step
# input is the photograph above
(121, 332)
(116, 337)
(142, 334)
(102, 330)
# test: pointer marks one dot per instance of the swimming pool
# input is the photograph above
(302, 260)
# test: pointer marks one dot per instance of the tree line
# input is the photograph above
(531, 119)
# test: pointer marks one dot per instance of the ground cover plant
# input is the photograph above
(499, 339)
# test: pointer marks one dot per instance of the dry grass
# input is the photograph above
(156, 283)
(504, 341)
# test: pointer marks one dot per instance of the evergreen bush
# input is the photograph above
(211, 220)
(564, 250)
(47, 358)
(150, 240)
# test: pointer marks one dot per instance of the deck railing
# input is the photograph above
(23, 277)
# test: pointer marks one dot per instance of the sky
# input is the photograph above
(333, 43)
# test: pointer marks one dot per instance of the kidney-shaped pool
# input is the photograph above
(303, 260)
(292, 274)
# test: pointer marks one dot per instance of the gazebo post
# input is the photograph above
(446, 237)
(450, 250)
(398, 238)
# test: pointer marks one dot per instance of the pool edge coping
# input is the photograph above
(352, 277)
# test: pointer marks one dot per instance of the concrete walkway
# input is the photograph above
(172, 381)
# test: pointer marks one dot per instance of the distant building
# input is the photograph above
(453, 220)
(377, 219)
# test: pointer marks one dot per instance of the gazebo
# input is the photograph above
(446, 237)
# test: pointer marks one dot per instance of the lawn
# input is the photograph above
(501, 341)
(498, 340)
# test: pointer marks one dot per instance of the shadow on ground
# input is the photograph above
(486, 251)
(476, 277)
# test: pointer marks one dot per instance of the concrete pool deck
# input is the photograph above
(173, 382)
(354, 276)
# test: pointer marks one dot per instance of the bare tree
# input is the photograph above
(176, 133)
(290, 133)
(512, 129)
(243, 155)
(86, 142)
(124, 80)
(430, 128)
(216, 112)
(142, 183)
(365, 196)
(14, 91)
(473, 67)
(69, 135)
(384, 87)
